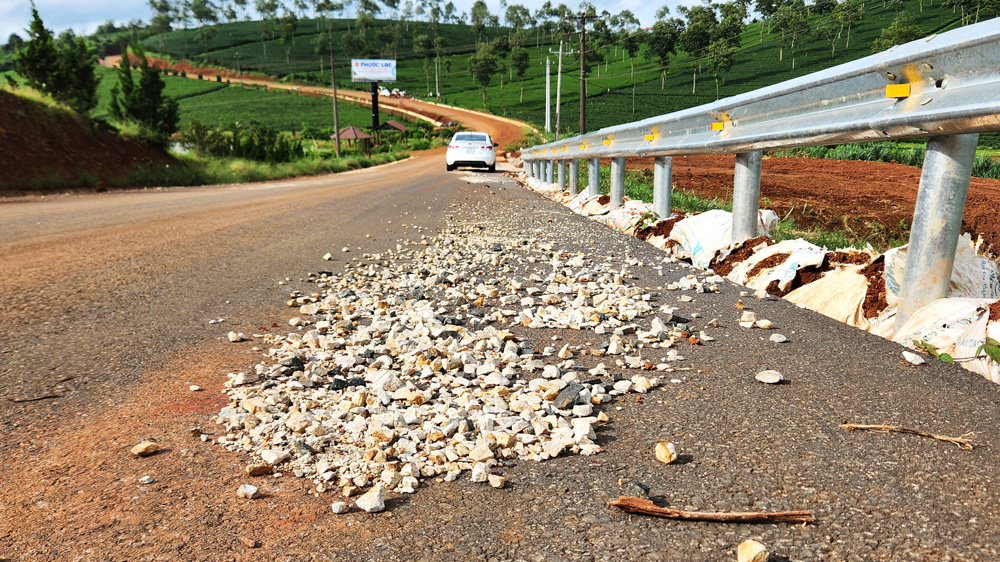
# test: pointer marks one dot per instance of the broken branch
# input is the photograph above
(964, 441)
(646, 507)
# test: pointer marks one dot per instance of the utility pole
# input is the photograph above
(238, 69)
(437, 78)
(583, 74)
(548, 101)
(559, 86)
(336, 120)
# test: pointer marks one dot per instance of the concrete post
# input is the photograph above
(937, 221)
(574, 176)
(617, 182)
(746, 195)
(662, 185)
(593, 177)
(562, 174)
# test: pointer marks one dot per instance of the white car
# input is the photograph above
(471, 149)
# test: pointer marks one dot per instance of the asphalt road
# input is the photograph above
(105, 310)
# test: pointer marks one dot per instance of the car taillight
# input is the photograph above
(486, 147)
(452, 146)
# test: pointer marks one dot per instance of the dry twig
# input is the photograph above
(964, 441)
(33, 399)
(647, 507)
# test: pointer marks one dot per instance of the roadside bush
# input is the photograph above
(420, 144)
(250, 141)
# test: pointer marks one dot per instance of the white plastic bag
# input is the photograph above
(705, 235)
(973, 276)
(800, 254)
(956, 326)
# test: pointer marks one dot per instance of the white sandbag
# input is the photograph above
(593, 206)
(839, 294)
(956, 326)
(626, 218)
(705, 235)
(800, 254)
(576, 204)
(973, 276)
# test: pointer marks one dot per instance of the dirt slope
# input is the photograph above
(41, 145)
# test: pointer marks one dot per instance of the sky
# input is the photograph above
(83, 16)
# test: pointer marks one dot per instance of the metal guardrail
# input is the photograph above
(944, 87)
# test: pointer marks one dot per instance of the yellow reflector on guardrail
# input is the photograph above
(717, 126)
(607, 142)
(648, 137)
(897, 91)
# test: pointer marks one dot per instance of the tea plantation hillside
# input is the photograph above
(620, 89)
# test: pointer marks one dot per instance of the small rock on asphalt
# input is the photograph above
(751, 551)
(770, 376)
(666, 452)
(372, 501)
(145, 448)
(247, 491)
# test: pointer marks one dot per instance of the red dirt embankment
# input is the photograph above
(41, 145)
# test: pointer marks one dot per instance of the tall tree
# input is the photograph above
(483, 65)
(205, 35)
(144, 103)
(64, 71)
(903, 29)
(481, 17)
(288, 24)
(662, 41)
(848, 12)
(519, 61)
(791, 20)
(204, 11)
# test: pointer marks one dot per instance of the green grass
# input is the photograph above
(639, 186)
(213, 103)
(208, 171)
(906, 153)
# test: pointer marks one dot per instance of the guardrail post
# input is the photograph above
(574, 176)
(562, 174)
(550, 171)
(662, 172)
(937, 221)
(529, 168)
(593, 177)
(617, 182)
(746, 195)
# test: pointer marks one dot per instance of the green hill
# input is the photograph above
(623, 89)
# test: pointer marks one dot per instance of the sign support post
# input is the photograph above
(374, 105)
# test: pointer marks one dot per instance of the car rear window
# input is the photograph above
(470, 137)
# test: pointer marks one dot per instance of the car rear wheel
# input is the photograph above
(492, 168)
(450, 167)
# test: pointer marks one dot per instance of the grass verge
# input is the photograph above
(195, 170)
(639, 186)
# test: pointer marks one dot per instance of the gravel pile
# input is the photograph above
(406, 367)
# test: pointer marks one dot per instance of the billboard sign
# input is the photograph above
(373, 70)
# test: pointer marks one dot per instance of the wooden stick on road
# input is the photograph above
(964, 441)
(646, 507)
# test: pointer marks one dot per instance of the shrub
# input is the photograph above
(250, 141)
